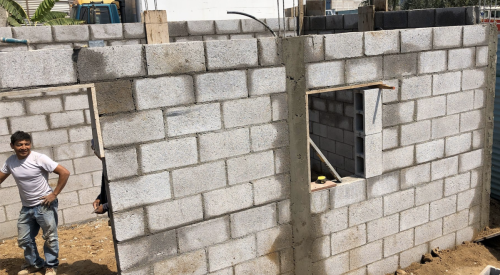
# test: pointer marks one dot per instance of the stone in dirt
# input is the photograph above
(427, 258)
(400, 272)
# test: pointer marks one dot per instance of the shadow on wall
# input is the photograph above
(11, 266)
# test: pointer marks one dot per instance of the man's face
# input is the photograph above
(22, 148)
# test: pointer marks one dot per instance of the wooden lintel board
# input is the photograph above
(321, 186)
(95, 123)
(301, 16)
(378, 84)
(155, 16)
(157, 33)
(45, 90)
(366, 18)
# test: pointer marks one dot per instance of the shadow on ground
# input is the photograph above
(10, 266)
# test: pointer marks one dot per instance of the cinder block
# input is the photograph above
(364, 255)
(38, 34)
(390, 137)
(406, 258)
(414, 216)
(121, 163)
(381, 42)
(267, 81)
(14, 108)
(231, 253)
(193, 119)
(428, 231)
(16, 68)
(65, 200)
(70, 33)
(250, 25)
(372, 106)
(470, 160)
(450, 16)
(474, 214)
(431, 107)
(57, 46)
(197, 38)
(78, 182)
(383, 227)
(476, 35)
(444, 242)
(243, 36)
(115, 97)
(201, 235)
(400, 65)
(314, 50)
(473, 79)
(398, 202)
(395, 20)
(140, 127)
(443, 207)
(416, 87)
(4, 129)
(416, 40)
(456, 221)
(415, 132)
(397, 158)
(476, 178)
(450, 37)
(320, 201)
(49, 138)
(445, 126)
(460, 102)
(269, 51)
(147, 249)
(344, 45)
(466, 234)
(325, 74)
(393, 114)
(8, 229)
(221, 86)
(429, 192)
(334, 22)
(469, 199)
(365, 211)
(77, 214)
(444, 168)
(274, 239)
(28, 123)
(351, 191)
(227, 26)
(106, 31)
(66, 119)
(227, 200)
(284, 215)
(271, 189)
(134, 30)
(350, 21)
(471, 120)
(373, 155)
(477, 139)
(429, 151)
(478, 99)
(363, 69)
(71, 151)
(321, 248)
(190, 263)
(76, 102)
(458, 144)
(398, 242)
(246, 111)
(348, 239)
(250, 167)
(224, 144)
(481, 56)
(330, 222)
(432, 62)
(129, 224)
(177, 28)
(279, 104)
(253, 220)
(446, 83)
(461, 58)
(88, 196)
(213, 175)
(87, 164)
(110, 57)
(127, 193)
(6, 32)
(269, 263)
(153, 157)
(201, 27)
(174, 213)
(382, 185)
(231, 54)
(175, 58)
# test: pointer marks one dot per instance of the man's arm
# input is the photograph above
(63, 179)
(3, 177)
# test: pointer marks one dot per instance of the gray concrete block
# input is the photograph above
(415, 132)
(70, 33)
(324, 74)
(372, 106)
(421, 18)
(461, 58)
(129, 193)
(231, 253)
(267, 81)
(227, 200)
(71, 151)
(213, 174)
(215, 37)
(197, 38)
(443, 207)
(476, 35)
(474, 214)
(49, 138)
(471, 120)
(174, 213)
(269, 136)
(140, 127)
(363, 69)
(77, 214)
(321, 248)
(444, 242)
(4, 129)
(227, 26)
(106, 31)
(469, 199)
(390, 137)
(477, 139)
(129, 224)
(481, 56)
(428, 231)
(27, 124)
(221, 86)
(38, 34)
(444, 168)
(429, 192)
(78, 182)
(460, 102)
(231, 54)
(253, 220)
(76, 102)
(415, 40)
(270, 263)
(175, 58)
(335, 22)
(38, 106)
(373, 155)
(364, 255)
(381, 42)
(18, 70)
(352, 191)
(284, 215)
(446, 83)
(344, 45)
(365, 211)
(153, 157)
(473, 79)
(317, 23)
(87, 164)
(414, 216)
(466, 234)
(114, 97)
(271, 189)
(110, 57)
(134, 30)
(66, 119)
(279, 104)
(121, 163)
(382, 227)
(350, 21)
(246, 111)
(393, 114)
(456, 221)
(479, 98)
(416, 87)
(431, 107)
(458, 144)
(320, 201)
(397, 158)
(450, 37)
(382, 185)
(193, 119)
(269, 51)
(250, 167)
(224, 144)
(147, 249)
(6, 32)
(250, 25)
(391, 95)
(398, 242)
(395, 20)
(398, 202)
(58, 46)
(450, 17)
(429, 151)
(400, 65)
(190, 263)
(330, 222)
(201, 27)
(274, 239)
(201, 235)
(178, 28)
(348, 239)
(406, 258)
(470, 160)
(432, 62)
(445, 126)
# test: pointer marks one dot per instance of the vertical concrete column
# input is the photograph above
(293, 56)
(488, 127)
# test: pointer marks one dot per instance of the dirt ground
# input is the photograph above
(84, 249)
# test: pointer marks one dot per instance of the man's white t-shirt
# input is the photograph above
(31, 175)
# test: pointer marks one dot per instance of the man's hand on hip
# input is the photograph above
(47, 200)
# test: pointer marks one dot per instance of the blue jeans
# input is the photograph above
(31, 219)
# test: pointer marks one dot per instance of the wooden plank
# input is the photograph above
(378, 84)
(301, 17)
(156, 27)
(487, 237)
(321, 186)
(381, 5)
(95, 123)
(315, 8)
(323, 158)
(366, 18)
(155, 17)
(45, 90)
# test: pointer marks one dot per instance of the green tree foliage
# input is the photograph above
(43, 14)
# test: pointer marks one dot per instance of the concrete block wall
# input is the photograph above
(59, 123)
(429, 189)
(331, 127)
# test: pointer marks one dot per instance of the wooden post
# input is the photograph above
(366, 21)
(381, 5)
(156, 26)
(301, 17)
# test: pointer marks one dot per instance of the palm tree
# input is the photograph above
(43, 14)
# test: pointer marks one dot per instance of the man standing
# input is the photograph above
(31, 172)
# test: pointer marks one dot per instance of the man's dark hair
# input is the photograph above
(18, 136)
